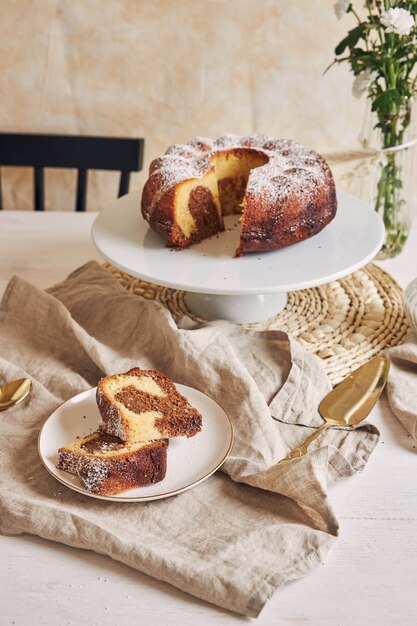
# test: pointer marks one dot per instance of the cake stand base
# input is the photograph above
(237, 309)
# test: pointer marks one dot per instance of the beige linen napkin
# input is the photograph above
(231, 540)
(402, 382)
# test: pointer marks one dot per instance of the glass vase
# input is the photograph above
(388, 181)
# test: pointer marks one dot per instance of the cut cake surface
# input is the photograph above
(107, 466)
(144, 405)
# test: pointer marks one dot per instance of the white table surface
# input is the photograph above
(369, 577)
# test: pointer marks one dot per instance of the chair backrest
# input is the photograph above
(81, 153)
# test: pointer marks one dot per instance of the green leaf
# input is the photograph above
(388, 102)
(350, 40)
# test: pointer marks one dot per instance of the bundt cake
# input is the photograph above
(143, 405)
(106, 465)
(284, 191)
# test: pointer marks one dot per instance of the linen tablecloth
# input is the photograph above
(244, 532)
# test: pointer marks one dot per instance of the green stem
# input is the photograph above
(390, 204)
(374, 22)
(356, 15)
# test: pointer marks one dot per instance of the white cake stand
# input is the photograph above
(247, 289)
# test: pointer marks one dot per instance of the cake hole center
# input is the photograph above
(232, 169)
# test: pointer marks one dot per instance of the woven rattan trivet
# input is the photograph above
(344, 323)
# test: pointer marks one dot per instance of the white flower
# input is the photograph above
(341, 7)
(363, 81)
(398, 21)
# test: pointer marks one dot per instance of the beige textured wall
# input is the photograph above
(168, 70)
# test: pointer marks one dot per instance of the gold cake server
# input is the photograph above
(351, 400)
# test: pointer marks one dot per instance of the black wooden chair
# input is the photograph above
(81, 153)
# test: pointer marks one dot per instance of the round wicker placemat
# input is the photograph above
(344, 323)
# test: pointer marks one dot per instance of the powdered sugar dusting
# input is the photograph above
(92, 473)
(98, 457)
(292, 169)
(112, 424)
(91, 470)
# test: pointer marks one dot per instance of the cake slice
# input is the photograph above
(106, 465)
(144, 405)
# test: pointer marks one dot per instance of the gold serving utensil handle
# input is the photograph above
(302, 450)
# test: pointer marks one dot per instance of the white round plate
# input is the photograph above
(124, 239)
(189, 461)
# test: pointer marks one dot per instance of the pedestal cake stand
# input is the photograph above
(248, 289)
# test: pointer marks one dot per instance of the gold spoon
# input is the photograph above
(14, 392)
(351, 400)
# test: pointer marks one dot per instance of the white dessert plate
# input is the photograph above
(124, 239)
(189, 461)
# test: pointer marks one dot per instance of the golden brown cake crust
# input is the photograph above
(106, 467)
(298, 212)
(176, 417)
(289, 198)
